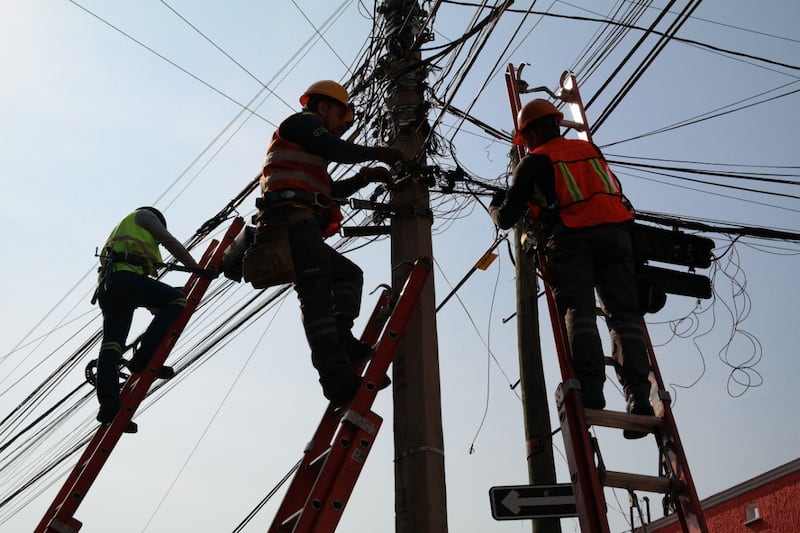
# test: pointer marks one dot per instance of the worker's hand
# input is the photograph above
(498, 199)
(212, 273)
(206, 272)
(376, 175)
(390, 156)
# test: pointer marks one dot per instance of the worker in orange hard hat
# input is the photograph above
(584, 220)
(296, 190)
(532, 111)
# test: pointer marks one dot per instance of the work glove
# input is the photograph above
(376, 175)
(211, 272)
(497, 199)
(390, 156)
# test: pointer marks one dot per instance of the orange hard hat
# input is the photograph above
(534, 110)
(327, 88)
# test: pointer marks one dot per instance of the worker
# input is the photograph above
(297, 191)
(585, 224)
(127, 260)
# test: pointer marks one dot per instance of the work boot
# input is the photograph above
(358, 353)
(165, 372)
(592, 397)
(340, 386)
(106, 415)
(638, 404)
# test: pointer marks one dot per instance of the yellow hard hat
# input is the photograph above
(327, 88)
(534, 110)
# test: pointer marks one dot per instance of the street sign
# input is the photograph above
(532, 501)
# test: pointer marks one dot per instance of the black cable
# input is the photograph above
(648, 30)
(185, 71)
(260, 505)
(644, 65)
(706, 116)
(226, 54)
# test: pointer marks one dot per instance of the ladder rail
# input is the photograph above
(580, 458)
(581, 454)
(60, 515)
(305, 476)
(690, 514)
(324, 499)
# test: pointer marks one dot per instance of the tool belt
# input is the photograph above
(233, 257)
(309, 198)
(112, 258)
(268, 261)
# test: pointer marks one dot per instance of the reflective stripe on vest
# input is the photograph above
(587, 192)
(131, 239)
(289, 166)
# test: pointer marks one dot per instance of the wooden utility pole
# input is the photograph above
(420, 496)
(535, 413)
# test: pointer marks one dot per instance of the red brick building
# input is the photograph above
(769, 502)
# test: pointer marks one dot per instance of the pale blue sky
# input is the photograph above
(95, 125)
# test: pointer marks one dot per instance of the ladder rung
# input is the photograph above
(316, 464)
(291, 520)
(621, 480)
(616, 419)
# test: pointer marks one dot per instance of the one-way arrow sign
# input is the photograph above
(532, 501)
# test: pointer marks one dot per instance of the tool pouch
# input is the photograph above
(268, 262)
(233, 257)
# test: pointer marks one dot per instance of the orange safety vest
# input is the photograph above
(587, 192)
(290, 166)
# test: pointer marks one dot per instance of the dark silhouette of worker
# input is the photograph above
(127, 262)
(296, 192)
(585, 227)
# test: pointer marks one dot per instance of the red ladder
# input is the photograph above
(587, 471)
(333, 460)
(59, 517)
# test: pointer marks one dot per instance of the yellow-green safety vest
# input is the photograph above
(130, 247)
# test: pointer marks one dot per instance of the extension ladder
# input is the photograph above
(59, 517)
(332, 461)
(587, 470)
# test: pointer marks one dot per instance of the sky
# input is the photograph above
(96, 125)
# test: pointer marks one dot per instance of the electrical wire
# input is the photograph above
(450, 209)
(172, 63)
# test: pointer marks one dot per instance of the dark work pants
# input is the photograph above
(328, 286)
(119, 296)
(600, 257)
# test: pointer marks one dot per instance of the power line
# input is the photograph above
(653, 32)
(185, 71)
(226, 54)
(715, 113)
(332, 49)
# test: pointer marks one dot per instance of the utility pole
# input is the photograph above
(535, 413)
(420, 496)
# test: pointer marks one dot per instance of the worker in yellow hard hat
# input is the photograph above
(584, 219)
(296, 190)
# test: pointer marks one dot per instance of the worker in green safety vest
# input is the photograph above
(128, 259)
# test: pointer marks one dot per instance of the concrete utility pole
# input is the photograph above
(420, 496)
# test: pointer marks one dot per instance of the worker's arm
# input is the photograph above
(346, 187)
(532, 176)
(307, 130)
(150, 222)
